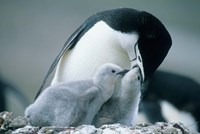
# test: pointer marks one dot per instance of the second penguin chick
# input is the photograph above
(122, 107)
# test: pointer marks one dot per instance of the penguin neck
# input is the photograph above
(106, 87)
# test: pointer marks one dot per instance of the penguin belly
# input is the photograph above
(98, 46)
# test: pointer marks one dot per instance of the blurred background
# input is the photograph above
(33, 32)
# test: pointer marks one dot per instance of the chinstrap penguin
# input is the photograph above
(177, 91)
(74, 103)
(123, 36)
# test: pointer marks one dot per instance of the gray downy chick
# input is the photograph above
(122, 107)
(74, 103)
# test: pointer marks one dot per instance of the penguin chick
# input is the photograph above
(74, 103)
(122, 107)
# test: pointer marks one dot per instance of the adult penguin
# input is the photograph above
(123, 36)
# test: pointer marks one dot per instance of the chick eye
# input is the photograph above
(113, 71)
(138, 77)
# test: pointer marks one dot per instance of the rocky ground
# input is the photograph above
(20, 125)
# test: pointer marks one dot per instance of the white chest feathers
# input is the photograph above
(101, 44)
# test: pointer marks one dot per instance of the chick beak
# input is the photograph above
(122, 73)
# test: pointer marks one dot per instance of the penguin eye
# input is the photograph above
(113, 71)
(138, 77)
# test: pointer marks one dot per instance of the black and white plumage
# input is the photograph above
(74, 103)
(177, 91)
(122, 36)
(122, 107)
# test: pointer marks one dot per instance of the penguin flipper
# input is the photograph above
(71, 42)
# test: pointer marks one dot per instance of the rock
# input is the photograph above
(18, 122)
(5, 119)
(26, 130)
(87, 129)
(115, 129)
(55, 130)
(20, 125)
(164, 128)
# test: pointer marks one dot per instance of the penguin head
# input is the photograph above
(153, 42)
(107, 73)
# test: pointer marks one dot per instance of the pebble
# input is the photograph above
(18, 122)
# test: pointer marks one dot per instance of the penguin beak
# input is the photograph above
(122, 73)
(137, 61)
